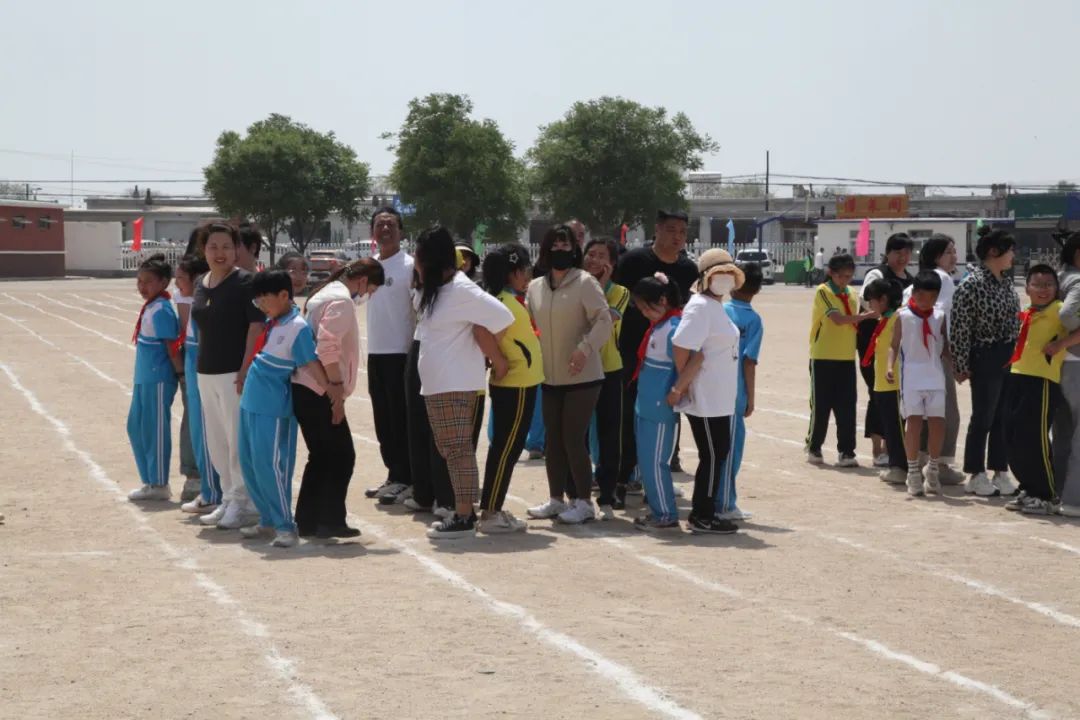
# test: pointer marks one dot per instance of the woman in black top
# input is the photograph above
(229, 324)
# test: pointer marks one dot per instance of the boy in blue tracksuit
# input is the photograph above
(751, 332)
(267, 425)
(149, 425)
(660, 301)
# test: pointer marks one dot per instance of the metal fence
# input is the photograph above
(130, 260)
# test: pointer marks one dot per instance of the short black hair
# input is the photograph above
(934, 247)
(559, 232)
(194, 265)
(752, 278)
(1070, 245)
(157, 265)
(651, 289)
(271, 282)
(387, 210)
(885, 288)
(927, 280)
(251, 237)
(898, 241)
(843, 261)
(662, 215)
(283, 261)
(1041, 269)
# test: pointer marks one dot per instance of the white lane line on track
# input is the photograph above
(1059, 545)
(928, 668)
(631, 685)
(284, 667)
(126, 311)
(131, 300)
(69, 321)
(86, 311)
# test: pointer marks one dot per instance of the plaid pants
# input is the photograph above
(451, 418)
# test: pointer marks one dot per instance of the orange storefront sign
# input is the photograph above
(871, 206)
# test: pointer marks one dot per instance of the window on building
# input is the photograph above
(852, 235)
(19, 222)
(44, 222)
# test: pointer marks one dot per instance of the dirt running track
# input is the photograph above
(842, 599)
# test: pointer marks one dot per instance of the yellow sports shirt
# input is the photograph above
(829, 341)
(520, 346)
(881, 358)
(1044, 327)
(618, 299)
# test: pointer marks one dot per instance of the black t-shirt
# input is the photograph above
(222, 317)
(633, 266)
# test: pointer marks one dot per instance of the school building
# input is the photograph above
(31, 239)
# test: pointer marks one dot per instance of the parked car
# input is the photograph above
(762, 258)
(323, 263)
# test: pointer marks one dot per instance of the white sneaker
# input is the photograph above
(411, 504)
(881, 461)
(581, 512)
(932, 483)
(442, 512)
(1069, 511)
(814, 458)
(501, 522)
(735, 514)
(548, 510)
(236, 517)
(846, 461)
(254, 531)
(215, 517)
(1004, 483)
(284, 539)
(980, 485)
(678, 491)
(914, 483)
(607, 512)
(893, 476)
(198, 506)
(150, 492)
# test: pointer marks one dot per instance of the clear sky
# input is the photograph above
(934, 91)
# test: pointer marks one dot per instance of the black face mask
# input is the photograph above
(562, 259)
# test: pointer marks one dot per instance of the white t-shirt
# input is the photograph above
(390, 318)
(819, 261)
(450, 360)
(705, 326)
(944, 298)
(920, 365)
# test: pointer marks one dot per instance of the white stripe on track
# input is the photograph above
(1059, 545)
(284, 667)
(131, 300)
(86, 311)
(69, 321)
(631, 685)
(126, 311)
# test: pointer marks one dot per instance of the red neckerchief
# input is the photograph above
(138, 323)
(869, 356)
(926, 331)
(644, 346)
(1025, 324)
(521, 299)
(260, 343)
(844, 299)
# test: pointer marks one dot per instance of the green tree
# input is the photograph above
(613, 161)
(1064, 186)
(457, 171)
(286, 175)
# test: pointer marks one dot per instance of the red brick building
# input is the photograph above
(31, 239)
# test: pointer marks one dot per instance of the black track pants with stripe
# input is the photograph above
(713, 439)
(1030, 404)
(512, 411)
(891, 423)
(832, 392)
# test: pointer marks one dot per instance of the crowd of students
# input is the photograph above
(597, 350)
(917, 337)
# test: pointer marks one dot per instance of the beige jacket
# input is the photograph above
(573, 316)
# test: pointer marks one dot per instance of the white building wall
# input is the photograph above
(92, 247)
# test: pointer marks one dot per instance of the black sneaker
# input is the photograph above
(619, 503)
(634, 488)
(676, 465)
(325, 532)
(711, 526)
(454, 527)
(377, 491)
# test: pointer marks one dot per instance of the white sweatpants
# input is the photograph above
(221, 415)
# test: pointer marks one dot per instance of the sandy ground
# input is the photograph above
(843, 598)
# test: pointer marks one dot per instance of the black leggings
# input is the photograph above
(511, 414)
(872, 422)
(429, 472)
(330, 462)
(609, 435)
(985, 444)
(713, 438)
(892, 424)
(567, 414)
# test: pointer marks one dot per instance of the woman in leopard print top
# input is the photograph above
(983, 327)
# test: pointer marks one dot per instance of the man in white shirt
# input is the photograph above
(819, 266)
(390, 327)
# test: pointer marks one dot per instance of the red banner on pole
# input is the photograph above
(136, 235)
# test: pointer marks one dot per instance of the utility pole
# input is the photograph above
(72, 178)
(766, 181)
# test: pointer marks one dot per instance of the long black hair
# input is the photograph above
(559, 232)
(437, 262)
(990, 239)
(500, 262)
(934, 247)
(1070, 245)
(194, 265)
(370, 268)
(651, 290)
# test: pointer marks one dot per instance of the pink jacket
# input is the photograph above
(332, 316)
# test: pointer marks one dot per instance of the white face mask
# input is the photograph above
(361, 298)
(721, 284)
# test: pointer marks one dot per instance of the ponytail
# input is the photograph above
(651, 290)
(990, 239)
(370, 268)
(500, 263)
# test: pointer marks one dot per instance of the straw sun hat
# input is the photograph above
(715, 261)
